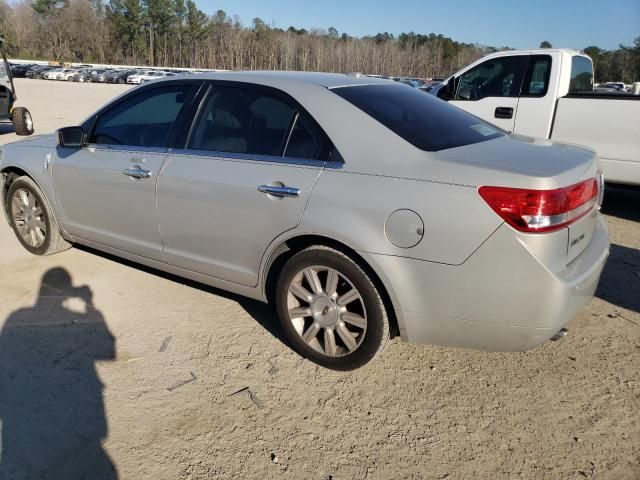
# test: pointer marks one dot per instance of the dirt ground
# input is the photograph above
(108, 370)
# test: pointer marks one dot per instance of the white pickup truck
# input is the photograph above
(549, 94)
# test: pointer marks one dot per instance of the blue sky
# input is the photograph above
(518, 24)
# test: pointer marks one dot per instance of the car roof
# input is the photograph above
(328, 80)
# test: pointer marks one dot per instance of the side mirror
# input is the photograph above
(71, 137)
(448, 92)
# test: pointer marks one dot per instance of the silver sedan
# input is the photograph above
(362, 209)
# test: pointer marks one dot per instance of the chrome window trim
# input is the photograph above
(247, 157)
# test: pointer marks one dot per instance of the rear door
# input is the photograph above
(538, 96)
(106, 190)
(490, 90)
(243, 178)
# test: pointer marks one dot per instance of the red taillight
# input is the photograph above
(542, 210)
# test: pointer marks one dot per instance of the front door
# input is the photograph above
(106, 191)
(490, 90)
(243, 179)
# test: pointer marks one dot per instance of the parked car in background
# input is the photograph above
(120, 76)
(52, 74)
(157, 76)
(363, 209)
(138, 77)
(81, 75)
(38, 71)
(67, 74)
(20, 70)
(429, 85)
(618, 86)
(58, 74)
(412, 82)
(96, 73)
(549, 94)
(604, 88)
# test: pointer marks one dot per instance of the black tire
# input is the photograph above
(376, 335)
(121, 81)
(22, 121)
(53, 241)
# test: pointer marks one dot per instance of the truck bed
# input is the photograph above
(607, 123)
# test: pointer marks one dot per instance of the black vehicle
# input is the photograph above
(82, 75)
(20, 70)
(19, 116)
(120, 76)
(38, 71)
(96, 74)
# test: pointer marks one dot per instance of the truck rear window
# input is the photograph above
(421, 119)
(581, 75)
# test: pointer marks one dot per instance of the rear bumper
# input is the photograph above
(501, 299)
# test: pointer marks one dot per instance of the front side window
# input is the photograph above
(498, 77)
(536, 79)
(254, 122)
(421, 119)
(581, 75)
(142, 120)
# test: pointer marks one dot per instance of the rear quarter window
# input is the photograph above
(581, 75)
(421, 119)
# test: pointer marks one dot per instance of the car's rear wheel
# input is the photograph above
(330, 309)
(31, 219)
(22, 121)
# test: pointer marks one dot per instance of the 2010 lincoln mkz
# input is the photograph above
(362, 208)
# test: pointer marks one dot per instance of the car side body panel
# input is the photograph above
(213, 219)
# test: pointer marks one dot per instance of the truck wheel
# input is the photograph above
(31, 219)
(330, 309)
(22, 121)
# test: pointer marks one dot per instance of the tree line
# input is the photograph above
(176, 33)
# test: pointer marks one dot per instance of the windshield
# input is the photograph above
(421, 119)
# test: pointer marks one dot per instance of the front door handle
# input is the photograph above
(504, 112)
(279, 191)
(137, 172)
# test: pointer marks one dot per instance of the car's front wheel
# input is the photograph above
(31, 219)
(330, 309)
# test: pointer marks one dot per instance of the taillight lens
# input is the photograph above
(542, 210)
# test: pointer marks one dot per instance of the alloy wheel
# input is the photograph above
(327, 311)
(28, 217)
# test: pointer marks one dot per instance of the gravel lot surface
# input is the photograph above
(109, 370)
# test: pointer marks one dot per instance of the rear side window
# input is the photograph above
(581, 75)
(421, 119)
(142, 120)
(240, 120)
(255, 122)
(536, 78)
(303, 142)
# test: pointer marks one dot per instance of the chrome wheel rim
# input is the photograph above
(327, 311)
(28, 218)
(28, 121)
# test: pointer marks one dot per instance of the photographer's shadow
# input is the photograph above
(51, 408)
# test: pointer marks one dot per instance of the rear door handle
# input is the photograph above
(137, 172)
(504, 112)
(280, 192)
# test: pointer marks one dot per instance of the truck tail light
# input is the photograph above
(542, 210)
